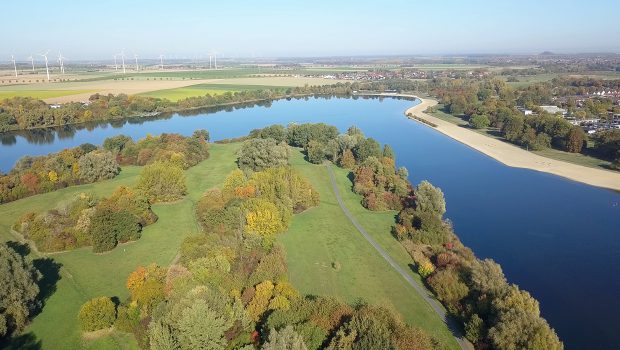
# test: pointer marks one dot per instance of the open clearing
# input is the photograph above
(85, 275)
(323, 235)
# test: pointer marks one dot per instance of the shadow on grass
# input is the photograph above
(26, 341)
(50, 275)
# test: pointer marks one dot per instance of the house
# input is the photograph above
(553, 109)
(525, 111)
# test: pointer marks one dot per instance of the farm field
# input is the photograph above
(323, 236)
(175, 85)
(85, 275)
(202, 89)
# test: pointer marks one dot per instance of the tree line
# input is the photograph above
(21, 113)
(88, 163)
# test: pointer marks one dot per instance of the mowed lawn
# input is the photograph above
(203, 89)
(323, 235)
(39, 94)
(85, 275)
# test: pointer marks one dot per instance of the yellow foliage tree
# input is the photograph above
(53, 176)
(235, 179)
(260, 302)
(262, 217)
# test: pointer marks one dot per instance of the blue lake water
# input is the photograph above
(556, 238)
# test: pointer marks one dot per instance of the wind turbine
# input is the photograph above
(210, 59)
(62, 63)
(14, 65)
(115, 64)
(215, 60)
(123, 60)
(161, 61)
(135, 56)
(47, 69)
(32, 61)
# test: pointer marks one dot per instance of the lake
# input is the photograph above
(556, 238)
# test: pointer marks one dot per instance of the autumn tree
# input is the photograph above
(97, 313)
(348, 160)
(575, 139)
(262, 217)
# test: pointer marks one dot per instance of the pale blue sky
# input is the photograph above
(98, 29)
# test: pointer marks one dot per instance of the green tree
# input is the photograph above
(430, 199)
(348, 160)
(18, 291)
(97, 313)
(162, 182)
(285, 339)
(388, 152)
(519, 329)
(97, 165)
(200, 327)
(260, 154)
(478, 121)
(513, 128)
(367, 148)
(474, 328)
(487, 277)
(315, 152)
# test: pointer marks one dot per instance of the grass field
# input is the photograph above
(526, 80)
(85, 275)
(40, 94)
(323, 235)
(202, 89)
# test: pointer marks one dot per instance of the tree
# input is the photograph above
(315, 152)
(285, 339)
(201, 134)
(367, 148)
(108, 227)
(116, 144)
(448, 287)
(388, 152)
(259, 154)
(575, 139)
(200, 327)
(97, 313)
(348, 160)
(276, 132)
(430, 199)
(474, 328)
(478, 121)
(97, 165)
(513, 128)
(519, 329)
(262, 217)
(162, 182)
(18, 291)
(487, 277)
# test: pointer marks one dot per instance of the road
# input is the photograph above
(421, 290)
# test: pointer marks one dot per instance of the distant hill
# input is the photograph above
(546, 53)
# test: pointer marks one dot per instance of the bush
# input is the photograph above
(97, 313)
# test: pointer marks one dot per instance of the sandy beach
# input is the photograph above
(514, 156)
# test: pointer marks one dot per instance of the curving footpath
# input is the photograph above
(423, 292)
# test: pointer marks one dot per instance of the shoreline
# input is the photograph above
(512, 155)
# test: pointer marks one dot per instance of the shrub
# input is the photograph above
(97, 165)
(97, 313)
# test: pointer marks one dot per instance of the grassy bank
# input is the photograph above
(323, 236)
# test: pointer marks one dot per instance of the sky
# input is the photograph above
(278, 28)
